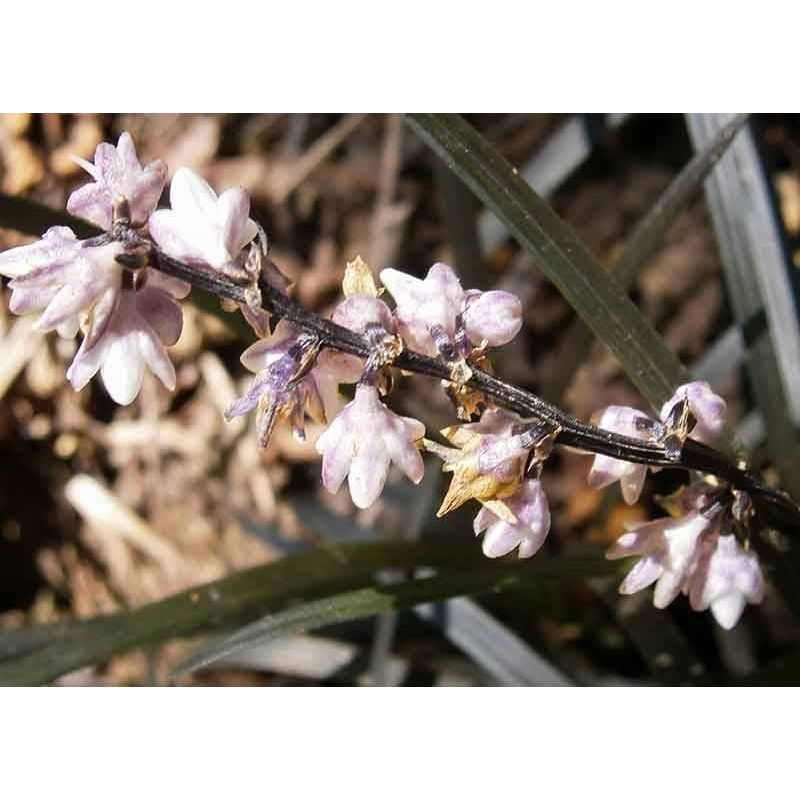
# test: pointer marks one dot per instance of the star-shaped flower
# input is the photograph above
(129, 330)
(118, 173)
(363, 441)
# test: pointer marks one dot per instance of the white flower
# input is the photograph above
(118, 173)
(493, 317)
(529, 505)
(692, 555)
(128, 331)
(362, 442)
(201, 227)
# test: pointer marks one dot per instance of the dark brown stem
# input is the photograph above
(775, 509)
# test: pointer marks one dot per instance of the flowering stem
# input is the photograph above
(775, 508)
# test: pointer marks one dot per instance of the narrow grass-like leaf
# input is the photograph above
(563, 152)
(645, 241)
(558, 252)
(244, 596)
(372, 600)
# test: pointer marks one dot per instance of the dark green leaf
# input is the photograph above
(244, 596)
(374, 600)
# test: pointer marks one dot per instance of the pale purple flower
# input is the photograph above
(667, 547)
(61, 278)
(429, 309)
(358, 313)
(276, 361)
(201, 228)
(605, 469)
(692, 555)
(361, 443)
(129, 330)
(725, 578)
(707, 408)
(118, 173)
(425, 304)
(529, 505)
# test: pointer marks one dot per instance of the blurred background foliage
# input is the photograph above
(128, 536)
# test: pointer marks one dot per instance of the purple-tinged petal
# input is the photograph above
(357, 312)
(92, 202)
(494, 317)
(369, 469)
(175, 286)
(57, 247)
(161, 312)
(249, 400)
(632, 482)
(500, 539)
(155, 356)
(646, 571)
(530, 507)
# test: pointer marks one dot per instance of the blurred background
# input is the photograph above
(105, 508)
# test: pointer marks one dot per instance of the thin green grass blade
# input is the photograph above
(245, 595)
(373, 600)
(645, 241)
(558, 252)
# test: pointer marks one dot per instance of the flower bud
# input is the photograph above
(494, 317)
(707, 408)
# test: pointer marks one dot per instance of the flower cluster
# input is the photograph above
(695, 552)
(112, 289)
